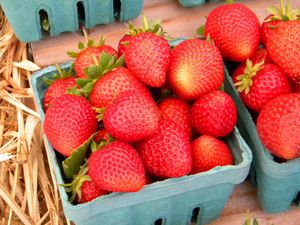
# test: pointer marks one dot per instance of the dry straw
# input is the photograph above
(28, 191)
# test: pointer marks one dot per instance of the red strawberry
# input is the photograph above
(56, 89)
(278, 126)
(235, 30)
(284, 46)
(117, 168)
(85, 58)
(276, 17)
(266, 26)
(214, 114)
(260, 55)
(178, 111)
(69, 122)
(148, 56)
(196, 69)
(295, 87)
(167, 152)
(102, 135)
(258, 84)
(209, 152)
(107, 88)
(123, 43)
(132, 117)
(89, 192)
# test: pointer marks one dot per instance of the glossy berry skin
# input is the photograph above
(278, 126)
(266, 29)
(123, 43)
(196, 68)
(261, 54)
(131, 117)
(284, 46)
(69, 122)
(90, 192)
(108, 87)
(268, 83)
(209, 152)
(148, 57)
(214, 114)
(235, 30)
(117, 168)
(56, 89)
(85, 58)
(167, 152)
(178, 111)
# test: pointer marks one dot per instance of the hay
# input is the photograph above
(28, 191)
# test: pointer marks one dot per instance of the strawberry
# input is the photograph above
(69, 122)
(214, 114)
(131, 117)
(123, 43)
(178, 111)
(56, 89)
(283, 46)
(278, 126)
(261, 55)
(89, 192)
(276, 17)
(107, 88)
(58, 85)
(258, 84)
(117, 168)
(167, 152)
(85, 57)
(196, 68)
(209, 152)
(235, 30)
(147, 57)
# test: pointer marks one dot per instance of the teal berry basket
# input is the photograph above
(191, 3)
(278, 184)
(169, 202)
(32, 20)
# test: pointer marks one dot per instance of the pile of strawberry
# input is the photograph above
(268, 75)
(147, 112)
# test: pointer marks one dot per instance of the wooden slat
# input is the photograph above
(178, 22)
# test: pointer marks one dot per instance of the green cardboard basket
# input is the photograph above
(167, 202)
(65, 15)
(278, 184)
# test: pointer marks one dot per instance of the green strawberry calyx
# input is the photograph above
(61, 74)
(284, 13)
(102, 65)
(88, 43)
(75, 186)
(153, 26)
(245, 81)
(104, 141)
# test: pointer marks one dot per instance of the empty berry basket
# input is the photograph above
(170, 202)
(32, 20)
(278, 184)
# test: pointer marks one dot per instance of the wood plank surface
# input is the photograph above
(178, 22)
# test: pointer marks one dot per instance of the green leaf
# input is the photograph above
(86, 90)
(72, 54)
(255, 222)
(48, 81)
(94, 146)
(72, 164)
(90, 43)
(74, 91)
(200, 31)
(105, 58)
(81, 82)
(93, 71)
(80, 45)
(120, 62)
(275, 11)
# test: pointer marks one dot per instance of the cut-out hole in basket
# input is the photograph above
(117, 8)
(44, 22)
(159, 221)
(195, 215)
(80, 14)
